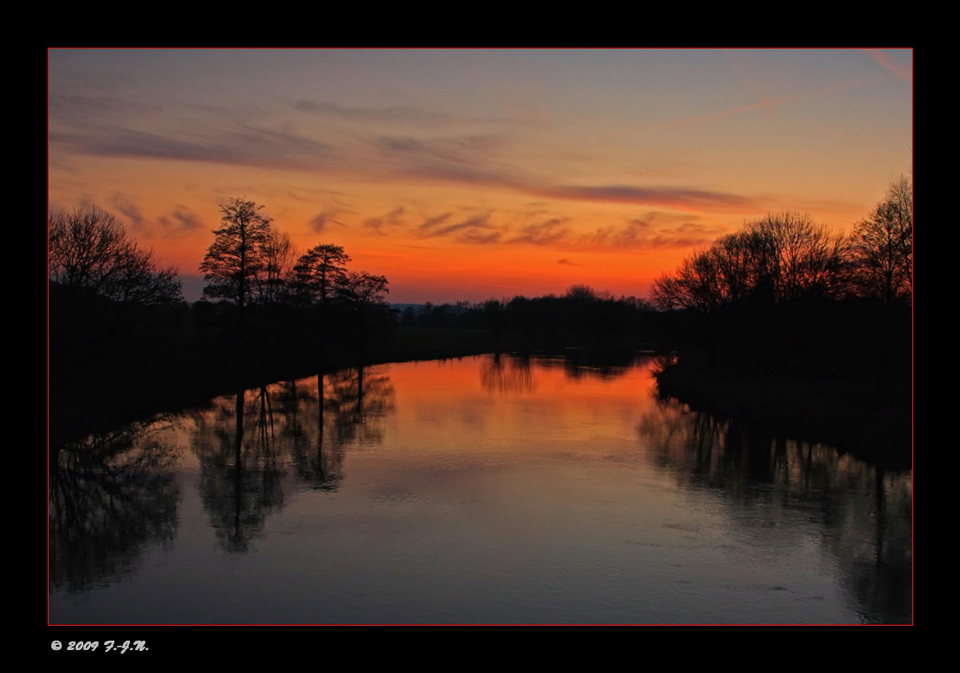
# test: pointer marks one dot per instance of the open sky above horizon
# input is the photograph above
(476, 174)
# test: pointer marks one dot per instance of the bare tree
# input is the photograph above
(276, 277)
(89, 249)
(882, 247)
(697, 284)
(778, 258)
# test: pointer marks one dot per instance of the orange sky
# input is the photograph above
(474, 174)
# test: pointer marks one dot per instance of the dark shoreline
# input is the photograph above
(81, 405)
(849, 414)
(840, 411)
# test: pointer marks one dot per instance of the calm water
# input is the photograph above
(477, 490)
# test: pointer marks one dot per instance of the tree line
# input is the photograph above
(262, 285)
(785, 295)
(781, 289)
(250, 262)
(778, 258)
(123, 338)
(786, 257)
(581, 317)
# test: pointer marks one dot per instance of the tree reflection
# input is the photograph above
(322, 469)
(243, 444)
(239, 470)
(111, 495)
(357, 402)
(579, 363)
(507, 373)
(863, 510)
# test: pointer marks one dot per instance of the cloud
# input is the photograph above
(476, 230)
(181, 220)
(432, 222)
(901, 70)
(474, 237)
(468, 159)
(545, 233)
(386, 223)
(639, 233)
(464, 158)
(654, 230)
(392, 114)
(130, 210)
(767, 104)
(321, 220)
(79, 108)
(404, 114)
(240, 146)
(678, 197)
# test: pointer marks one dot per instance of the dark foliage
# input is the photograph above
(89, 252)
(237, 256)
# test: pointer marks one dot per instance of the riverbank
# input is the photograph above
(91, 399)
(855, 416)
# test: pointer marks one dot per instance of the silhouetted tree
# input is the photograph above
(276, 277)
(236, 256)
(362, 291)
(363, 295)
(882, 247)
(318, 271)
(89, 250)
(775, 259)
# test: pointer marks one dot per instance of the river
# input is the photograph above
(490, 489)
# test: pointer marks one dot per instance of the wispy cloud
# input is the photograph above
(386, 223)
(470, 159)
(544, 233)
(238, 146)
(767, 104)
(78, 108)
(901, 70)
(181, 220)
(657, 230)
(319, 222)
(477, 230)
(431, 222)
(628, 194)
(131, 211)
(405, 114)
(391, 114)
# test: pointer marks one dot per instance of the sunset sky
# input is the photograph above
(471, 174)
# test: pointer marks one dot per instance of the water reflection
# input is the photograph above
(604, 365)
(239, 467)
(304, 430)
(335, 411)
(244, 448)
(507, 373)
(496, 488)
(111, 496)
(357, 401)
(863, 510)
